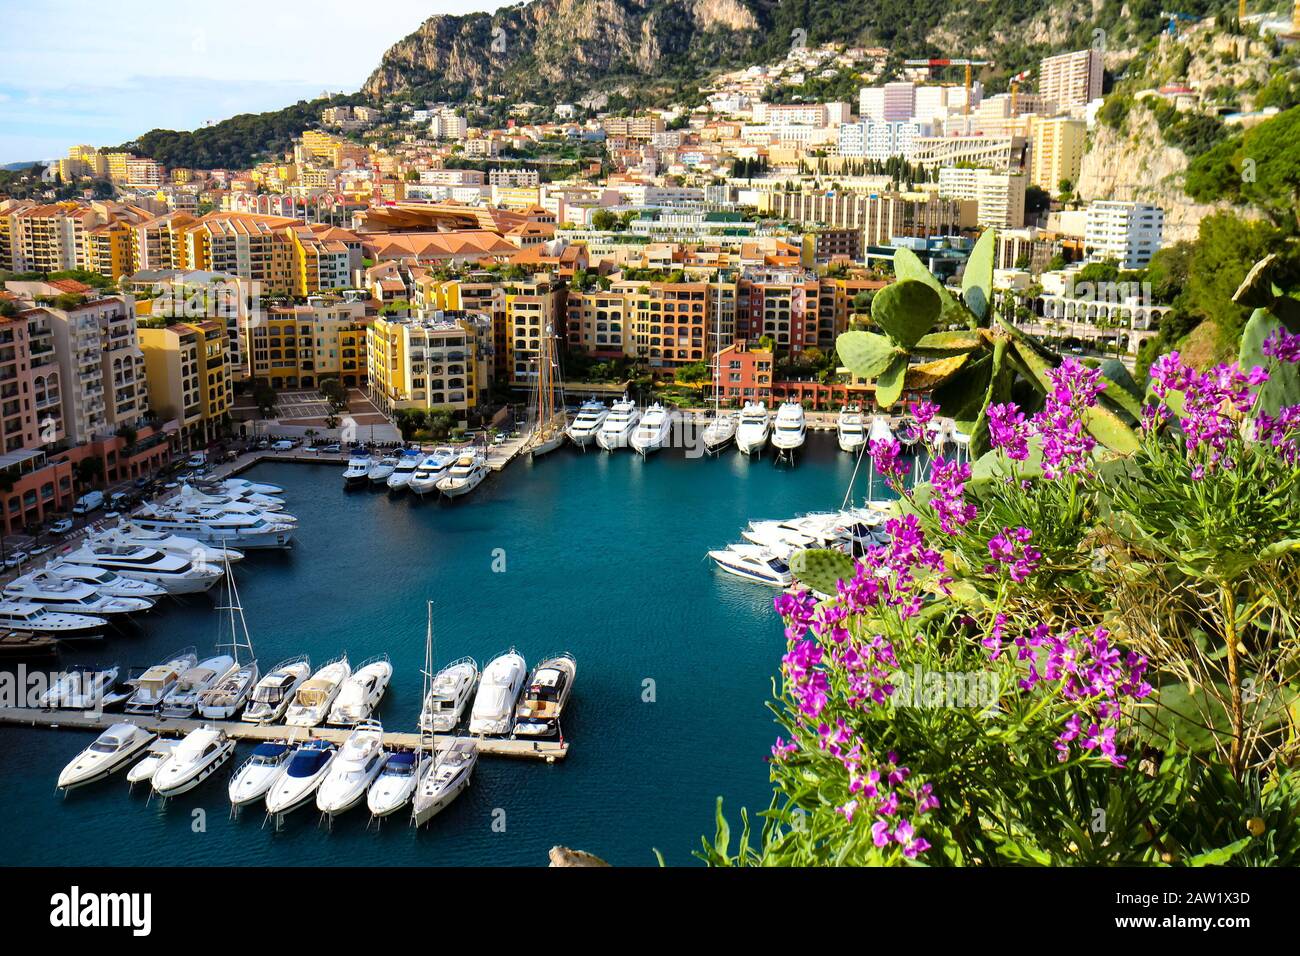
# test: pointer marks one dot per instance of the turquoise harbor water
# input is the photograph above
(604, 557)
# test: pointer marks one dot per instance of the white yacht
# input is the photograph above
(754, 563)
(76, 597)
(494, 707)
(395, 784)
(80, 689)
(548, 690)
(256, 487)
(464, 476)
(880, 430)
(112, 750)
(719, 432)
(382, 470)
(361, 692)
(39, 619)
(258, 773)
(194, 499)
(183, 699)
(446, 775)
(105, 581)
(176, 574)
(355, 768)
(313, 701)
(654, 430)
(431, 470)
(306, 768)
(358, 470)
(583, 428)
(227, 525)
(132, 535)
(142, 770)
(850, 428)
(752, 431)
(196, 758)
(790, 429)
(452, 688)
(402, 471)
(617, 428)
(157, 682)
(273, 693)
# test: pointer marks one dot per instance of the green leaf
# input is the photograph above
(907, 265)
(865, 354)
(1283, 385)
(906, 310)
(977, 280)
(1279, 548)
(723, 839)
(999, 391)
(958, 341)
(821, 569)
(889, 385)
(1116, 372)
(961, 396)
(1220, 856)
(1256, 290)
(1112, 431)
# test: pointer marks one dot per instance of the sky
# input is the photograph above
(103, 72)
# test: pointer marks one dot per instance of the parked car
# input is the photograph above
(282, 445)
(331, 449)
(40, 549)
(141, 482)
(62, 526)
(88, 502)
(15, 558)
(197, 460)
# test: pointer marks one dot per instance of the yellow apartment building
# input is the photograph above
(189, 378)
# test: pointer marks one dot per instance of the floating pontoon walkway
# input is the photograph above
(548, 750)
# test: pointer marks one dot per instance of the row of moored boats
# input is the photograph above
(444, 471)
(764, 554)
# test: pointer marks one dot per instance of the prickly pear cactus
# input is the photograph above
(820, 569)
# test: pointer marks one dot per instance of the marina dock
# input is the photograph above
(548, 750)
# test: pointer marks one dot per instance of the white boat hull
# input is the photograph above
(167, 788)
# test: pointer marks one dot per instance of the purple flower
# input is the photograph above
(1012, 548)
(1006, 430)
(948, 479)
(1283, 346)
(886, 454)
(1066, 442)
(924, 412)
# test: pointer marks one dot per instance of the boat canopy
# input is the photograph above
(403, 758)
(269, 750)
(306, 763)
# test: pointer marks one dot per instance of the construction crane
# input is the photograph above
(938, 62)
(1013, 85)
(1173, 17)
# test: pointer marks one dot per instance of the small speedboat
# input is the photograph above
(447, 774)
(382, 470)
(361, 692)
(258, 773)
(548, 690)
(754, 426)
(790, 429)
(312, 703)
(402, 471)
(196, 758)
(112, 750)
(582, 430)
(304, 772)
(494, 707)
(465, 475)
(80, 689)
(719, 433)
(448, 696)
(395, 784)
(358, 762)
(431, 470)
(223, 699)
(653, 431)
(274, 692)
(142, 771)
(183, 699)
(357, 472)
(754, 563)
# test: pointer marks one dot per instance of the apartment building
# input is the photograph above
(632, 127)
(1058, 145)
(534, 307)
(889, 103)
(427, 362)
(880, 216)
(744, 374)
(878, 139)
(250, 246)
(189, 378)
(1006, 153)
(1128, 232)
(1000, 196)
(1071, 79)
(779, 303)
(298, 346)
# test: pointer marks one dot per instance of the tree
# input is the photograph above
(89, 471)
(604, 220)
(264, 397)
(692, 374)
(335, 393)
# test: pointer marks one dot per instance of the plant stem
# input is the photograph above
(1234, 679)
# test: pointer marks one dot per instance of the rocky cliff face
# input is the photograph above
(567, 46)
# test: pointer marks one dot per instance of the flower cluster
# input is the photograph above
(1282, 432)
(887, 453)
(874, 790)
(1060, 426)
(948, 479)
(1283, 346)
(1090, 673)
(1213, 402)
(1012, 548)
